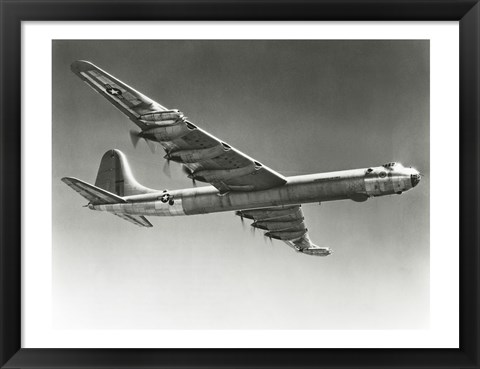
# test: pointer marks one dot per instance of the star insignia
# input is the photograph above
(114, 91)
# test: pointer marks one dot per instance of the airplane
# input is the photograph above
(237, 182)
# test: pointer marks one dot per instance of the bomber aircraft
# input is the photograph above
(238, 182)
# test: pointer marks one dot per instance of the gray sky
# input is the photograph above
(298, 107)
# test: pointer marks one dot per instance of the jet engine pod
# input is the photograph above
(359, 197)
(163, 117)
(322, 251)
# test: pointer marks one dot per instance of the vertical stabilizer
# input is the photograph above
(114, 175)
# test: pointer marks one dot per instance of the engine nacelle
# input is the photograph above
(222, 175)
(163, 117)
(196, 155)
(276, 226)
(322, 251)
(286, 235)
(282, 215)
(167, 132)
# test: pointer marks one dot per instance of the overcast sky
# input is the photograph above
(298, 107)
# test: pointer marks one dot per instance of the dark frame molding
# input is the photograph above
(13, 12)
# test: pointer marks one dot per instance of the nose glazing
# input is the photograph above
(415, 178)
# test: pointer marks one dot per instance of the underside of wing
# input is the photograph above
(208, 159)
(204, 157)
(138, 220)
(285, 223)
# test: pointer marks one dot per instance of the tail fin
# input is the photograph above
(115, 176)
(114, 180)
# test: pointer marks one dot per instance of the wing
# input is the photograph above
(129, 101)
(138, 220)
(205, 157)
(285, 223)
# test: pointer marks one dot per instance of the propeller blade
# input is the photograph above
(151, 146)
(166, 169)
(242, 221)
(187, 171)
(189, 174)
(134, 137)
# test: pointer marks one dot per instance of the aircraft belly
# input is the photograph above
(189, 202)
(156, 208)
(166, 209)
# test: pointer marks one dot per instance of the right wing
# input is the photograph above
(285, 223)
(207, 158)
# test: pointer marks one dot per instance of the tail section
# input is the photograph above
(115, 176)
(114, 180)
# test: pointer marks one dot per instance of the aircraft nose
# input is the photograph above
(415, 178)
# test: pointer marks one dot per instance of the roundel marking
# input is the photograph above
(165, 197)
(114, 91)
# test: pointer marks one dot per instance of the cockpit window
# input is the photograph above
(390, 165)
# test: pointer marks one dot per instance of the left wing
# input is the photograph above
(285, 223)
(205, 157)
(129, 101)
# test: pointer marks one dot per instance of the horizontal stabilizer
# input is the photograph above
(94, 194)
(98, 196)
(138, 220)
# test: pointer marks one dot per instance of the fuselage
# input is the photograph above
(356, 184)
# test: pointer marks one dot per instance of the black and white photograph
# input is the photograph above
(241, 184)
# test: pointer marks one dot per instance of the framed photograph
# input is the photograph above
(163, 166)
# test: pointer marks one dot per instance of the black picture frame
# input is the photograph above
(467, 12)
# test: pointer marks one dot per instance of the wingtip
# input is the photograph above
(81, 66)
(70, 180)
